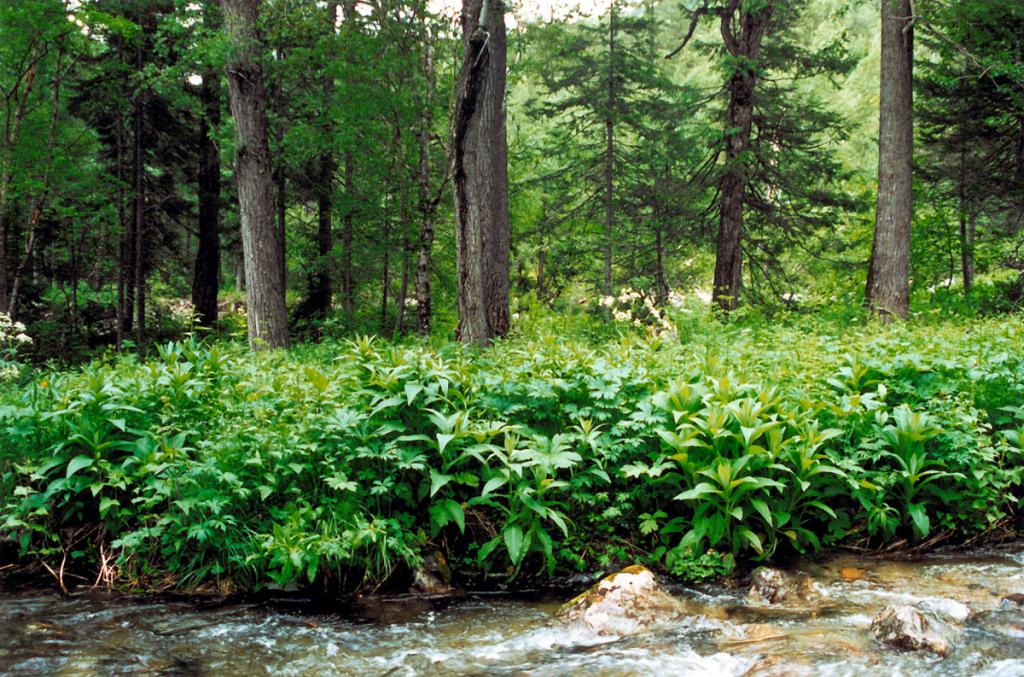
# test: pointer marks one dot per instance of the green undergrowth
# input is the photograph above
(343, 464)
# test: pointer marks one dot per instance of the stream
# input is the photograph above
(90, 633)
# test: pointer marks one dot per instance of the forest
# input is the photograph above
(351, 294)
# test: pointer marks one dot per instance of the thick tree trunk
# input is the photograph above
(206, 278)
(424, 299)
(888, 287)
(480, 175)
(264, 259)
(746, 49)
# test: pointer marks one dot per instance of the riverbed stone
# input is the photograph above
(905, 627)
(624, 603)
(1015, 600)
(433, 576)
(774, 586)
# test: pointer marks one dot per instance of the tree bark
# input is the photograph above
(424, 299)
(966, 227)
(659, 262)
(139, 200)
(480, 175)
(888, 286)
(206, 277)
(123, 304)
(745, 49)
(609, 156)
(264, 259)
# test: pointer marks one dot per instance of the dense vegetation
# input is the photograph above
(691, 326)
(337, 463)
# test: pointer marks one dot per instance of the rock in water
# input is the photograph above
(1010, 601)
(773, 586)
(432, 576)
(626, 603)
(904, 627)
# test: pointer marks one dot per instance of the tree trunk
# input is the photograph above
(967, 229)
(746, 49)
(321, 290)
(123, 307)
(659, 262)
(427, 207)
(480, 175)
(280, 177)
(888, 287)
(206, 278)
(348, 281)
(17, 98)
(39, 201)
(264, 259)
(240, 271)
(609, 157)
(139, 203)
(403, 289)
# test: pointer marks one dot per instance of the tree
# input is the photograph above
(888, 287)
(745, 48)
(778, 182)
(480, 175)
(613, 151)
(264, 260)
(970, 118)
(427, 202)
(206, 275)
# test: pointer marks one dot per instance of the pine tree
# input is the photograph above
(264, 267)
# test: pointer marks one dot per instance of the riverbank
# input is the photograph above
(724, 631)
(350, 466)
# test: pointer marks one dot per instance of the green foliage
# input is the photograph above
(540, 455)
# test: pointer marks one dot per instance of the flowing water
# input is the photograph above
(94, 633)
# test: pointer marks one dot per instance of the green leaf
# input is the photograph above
(438, 481)
(754, 540)
(824, 508)
(78, 463)
(446, 511)
(698, 491)
(513, 536)
(762, 508)
(106, 503)
(492, 484)
(922, 525)
(443, 439)
(411, 391)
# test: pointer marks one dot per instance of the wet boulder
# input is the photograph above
(1013, 601)
(774, 586)
(625, 603)
(905, 627)
(433, 576)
